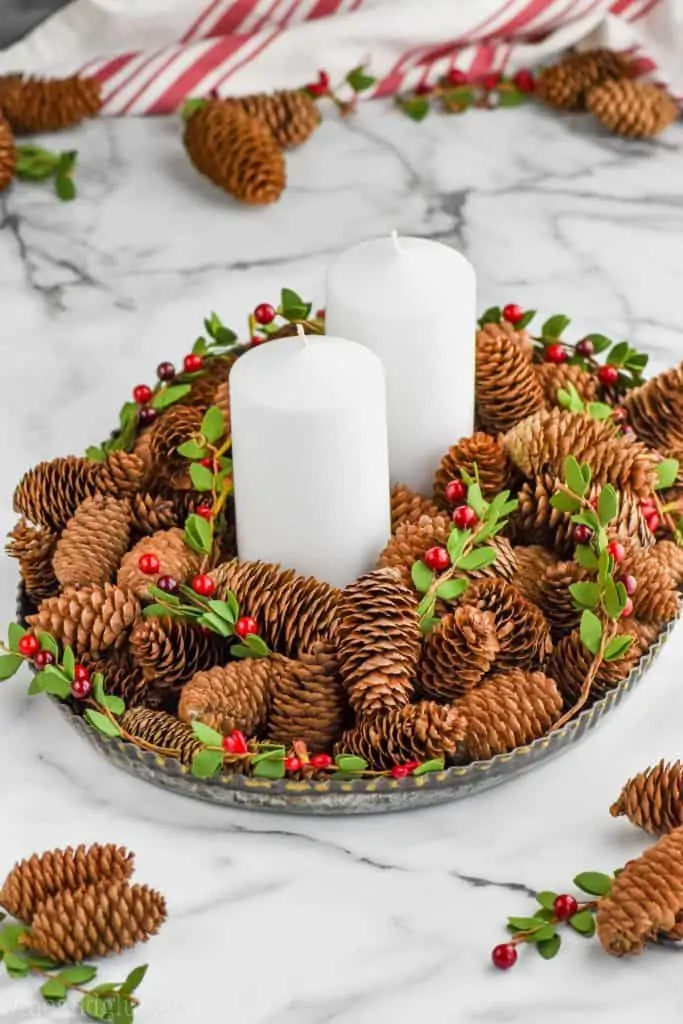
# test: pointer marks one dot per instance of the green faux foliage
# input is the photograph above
(37, 164)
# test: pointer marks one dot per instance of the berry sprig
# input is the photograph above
(541, 929)
(569, 398)
(456, 92)
(267, 320)
(441, 573)
(345, 94)
(37, 164)
(111, 1001)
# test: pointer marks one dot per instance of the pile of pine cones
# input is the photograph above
(350, 671)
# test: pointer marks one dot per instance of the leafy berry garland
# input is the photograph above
(345, 95)
(456, 92)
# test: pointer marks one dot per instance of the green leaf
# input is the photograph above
(493, 315)
(192, 450)
(547, 899)
(200, 531)
(565, 502)
(10, 937)
(428, 624)
(52, 681)
(570, 399)
(65, 189)
(583, 923)
(586, 595)
(258, 648)
(591, 631)
(213, 424)
(48, 643)
(162, 595)
(476, 501)
(574, 476)
(134, 979)
(206, 763)
(201, 477)
(95, 453)
(35, 686)
(200, 347)
(69, 662)
(233, 605)
(600, 342)
(78, 974)
(169, 396)
(416, 108)
(585, 556)
(102, 723)
(223, 610)
(114, 704)
(14, 634)
(549, 948)
(617, 647)
(207, 735)
(544, 934)
(456, 543)
(154, 611)
(111, 1009)
(293, 306)
(600, 410)
(359, 79)
(240, 651)
(9, 664)
(422, 577)
(667, 471)
(524, 924)
(526, 320)
(435, 764)
(451, 590)
(426, 605)
(191, 107)
(608, 504)
(269, 766)
(610, 599)
(544, 915)
(588, 518)
(618, 354)
(477, 559)
(216, 624)
(511, 98)
(53, 991)
(596, 883)
(554, 327)
(350, 763)
(15, 965)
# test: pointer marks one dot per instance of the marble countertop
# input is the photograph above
(282, 920)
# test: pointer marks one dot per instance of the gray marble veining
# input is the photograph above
(311, 921)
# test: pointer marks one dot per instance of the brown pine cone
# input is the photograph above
(95, 921)
(532, 562)
(48, 104)
(308, 700)
(407, 505)
(121, 474)
(150, 513)
(646, 898)
(49, 494)
(541, 444)
(162, 730)
(655, 410)
(90, 618)
(291, 114)
(555, 600)
(221, 400)
(293, 612)
(377, 632)
(653, 799)
(521, 628)
(175, 426)
(123, 677)
(458, 653)
(227, 697)
(656, 599)
(8, 155)
(415, 732)
(93, 542)
(236, 152)
(176, 559)
(506, 387)
(215, 372)
(34, 548)
(638, 110)
(670, 555)
(509, 709)
(570, 663)
(481, 450)
(553, 377)
(564, 85)
(170, 651)
(32, 881)
(142, 446)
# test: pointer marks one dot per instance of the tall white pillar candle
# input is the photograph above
(412, 301)
(310, 458)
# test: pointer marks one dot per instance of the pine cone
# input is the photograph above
(291, 114)
(506, 387)
(532, 562)
(93, 542)
(669, 555)
(542, 442)
(150, 513)
(90, 619)
(570, 662)
(293, 612)
(121, 474)
(236, 152)
(481, 450)
(646, 898)
(170, 651)
(458, 653)
(564, 85)
(521, 627)
(415, 732)
(8, 155)
(95, 921)
(176, 559)
(308, 701)
(221, 400)
(655, 410)
(216, 371)
(378, 636)
(407, 505)
(163, 731)
(508, 710)
(48, 104)
(656, 599)
(49, 494)
(173, 428)
(555, 599)
(553, 377)
(123, 677)
(653, 799)
(34, 549)
(233, 696)
(32, 881)
(638, 110)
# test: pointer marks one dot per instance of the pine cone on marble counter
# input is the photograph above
(638, 110)
(291, 114)
(653, 799)
(564, 85)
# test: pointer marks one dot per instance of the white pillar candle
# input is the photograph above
(310, 458)
(412, 301)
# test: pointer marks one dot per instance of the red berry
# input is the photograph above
(491, 81)
(192, 363)
(324, 79)
(264, 313)
(647, 506)
(292, 764)
(320, 314)
(257, 339)
(165, 371)
(207, 461)
(512, 313)
(411, 765)
(582, 534)
(504, 956)
(423, 89)
(457, 77)
(149, 564)
(455, 491)
(464, 517)
(628, 608)
(524, 80)
(608, 375)
(81, 674)
(205, 511)
(316, 89)
(585, 347)
(80, 688)
(246, 626)
(556, 353)
(437, 559)
(147, 416)
(321, 761)
(168, 584)
(28, 645)
(654, 522)
(142, 394)
(399, 771)
(616, 550)
(203, 585)
(43, 659)
(630, 583)
(564, 907)
(235, 743)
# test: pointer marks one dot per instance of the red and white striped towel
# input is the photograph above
(153, 55)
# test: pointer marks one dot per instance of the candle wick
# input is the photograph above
(301, 334)
(395, 240)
